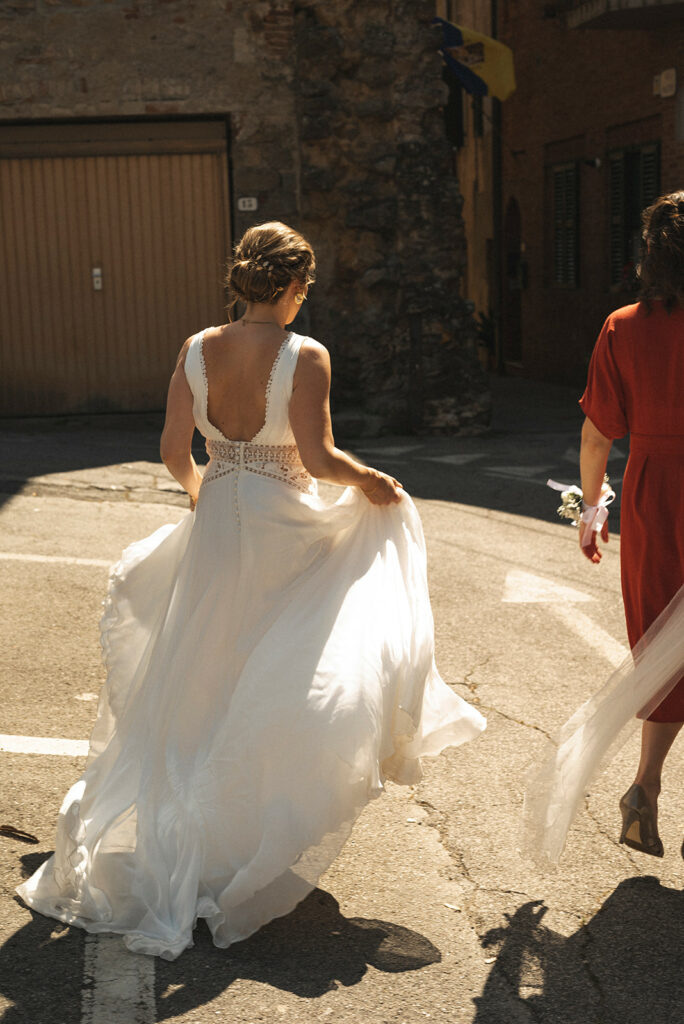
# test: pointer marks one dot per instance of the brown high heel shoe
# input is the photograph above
(639, 830)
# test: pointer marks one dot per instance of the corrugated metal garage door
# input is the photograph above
(144, 204)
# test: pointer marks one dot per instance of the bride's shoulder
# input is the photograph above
(185, 348)
(313, 364)
(312, 351)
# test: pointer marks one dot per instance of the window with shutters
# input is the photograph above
(634, 185)
(565, 225)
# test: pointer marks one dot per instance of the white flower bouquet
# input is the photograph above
(572, 503)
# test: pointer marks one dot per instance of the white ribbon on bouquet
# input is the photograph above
(594, 516)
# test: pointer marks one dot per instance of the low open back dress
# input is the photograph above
(269, 664)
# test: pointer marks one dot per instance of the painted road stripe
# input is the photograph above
(457, 459)
(118, 986)
(526, 588)
(390, 449)
(12, 556)
(43, 745)
(594, 636)
(572, 455)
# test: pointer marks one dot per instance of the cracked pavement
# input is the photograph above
(430, 912)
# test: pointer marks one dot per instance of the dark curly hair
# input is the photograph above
(661, 267)
(266, 259)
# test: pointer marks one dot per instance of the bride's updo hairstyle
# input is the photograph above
(265, 260)
(661, 268)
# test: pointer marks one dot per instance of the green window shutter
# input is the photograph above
(617, 217)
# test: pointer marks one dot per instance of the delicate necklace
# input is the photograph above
(272, 322)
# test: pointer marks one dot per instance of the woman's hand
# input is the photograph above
(382, 489)
(592, 550)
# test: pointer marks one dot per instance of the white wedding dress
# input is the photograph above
(270, 664)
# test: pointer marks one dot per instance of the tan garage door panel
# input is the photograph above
(155, 225)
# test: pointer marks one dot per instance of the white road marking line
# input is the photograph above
(572, 454)
(43, 745)
(602, 642)
(525, 588)
(517, 471)
(524, 474)
(392, 449)
(456, 459)
(118, 986)
(12, 556)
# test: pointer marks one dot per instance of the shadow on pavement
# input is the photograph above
(41, 966)
(622, 967)
(62, 455)
(309, 952)
(534, 435)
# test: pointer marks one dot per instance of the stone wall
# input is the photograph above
(335, 121)
(381, 203)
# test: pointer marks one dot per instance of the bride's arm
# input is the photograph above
(594, 452)
(312, 428)
(176, 439)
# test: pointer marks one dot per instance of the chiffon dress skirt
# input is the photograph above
(269, 664)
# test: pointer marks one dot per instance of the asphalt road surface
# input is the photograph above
(430, 913)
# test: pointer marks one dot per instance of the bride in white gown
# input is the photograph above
(269, 658)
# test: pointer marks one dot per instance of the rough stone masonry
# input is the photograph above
(335, 117)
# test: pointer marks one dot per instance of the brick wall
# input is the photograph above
(334, 113)
(581, 93)
(133, 58)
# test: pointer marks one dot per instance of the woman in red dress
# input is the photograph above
(636, 385)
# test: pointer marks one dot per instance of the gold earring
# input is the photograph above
(299, 298)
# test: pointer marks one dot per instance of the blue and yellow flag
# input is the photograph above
(483, 65)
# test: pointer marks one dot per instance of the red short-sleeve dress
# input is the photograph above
(636, 385)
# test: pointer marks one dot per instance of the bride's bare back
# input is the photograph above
(238, 359)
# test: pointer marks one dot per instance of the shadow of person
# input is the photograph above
(41, 970)
(310, 951)
(621, 967)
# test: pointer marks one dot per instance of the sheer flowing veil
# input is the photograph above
(597, 730)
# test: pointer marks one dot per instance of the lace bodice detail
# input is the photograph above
(277, 461)
(272, 452)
